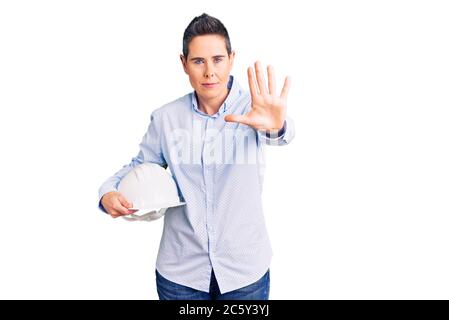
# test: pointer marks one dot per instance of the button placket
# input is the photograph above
(208, 178)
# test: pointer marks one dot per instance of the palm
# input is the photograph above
(267, 109)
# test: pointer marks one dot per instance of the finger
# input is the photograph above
(271, 80)
(124, 202)
(238, 118)
(260, 78)
(114, 214)
(127, 204)
(252, 84)
(286, 87)
(121, 209)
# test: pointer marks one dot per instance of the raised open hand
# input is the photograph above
(268, 110)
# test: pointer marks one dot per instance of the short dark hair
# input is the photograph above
(202, 25)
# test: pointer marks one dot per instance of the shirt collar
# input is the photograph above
(233, 94)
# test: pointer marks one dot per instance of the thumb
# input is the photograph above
(238, 118)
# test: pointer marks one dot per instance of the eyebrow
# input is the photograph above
(199, 58)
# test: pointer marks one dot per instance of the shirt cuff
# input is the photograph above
(276, 135)
(102, 192)
(100, 206)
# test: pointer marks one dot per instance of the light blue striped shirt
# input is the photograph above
(219, 168)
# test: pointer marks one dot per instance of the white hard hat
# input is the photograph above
(151, 190)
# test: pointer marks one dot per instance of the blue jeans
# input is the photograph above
(168, 290)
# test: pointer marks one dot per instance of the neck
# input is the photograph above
(211, 106)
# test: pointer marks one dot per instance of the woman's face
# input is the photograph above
(208, 62)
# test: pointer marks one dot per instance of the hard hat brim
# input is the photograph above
(150, 214)
(156, 207)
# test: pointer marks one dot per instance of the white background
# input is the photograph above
(356, 206)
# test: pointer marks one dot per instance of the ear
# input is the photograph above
(184, 63)
(231, 58)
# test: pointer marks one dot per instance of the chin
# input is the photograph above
(206, 91)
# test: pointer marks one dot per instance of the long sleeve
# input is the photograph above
(281, 138)
(149, 151)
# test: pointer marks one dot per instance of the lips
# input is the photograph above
(210, 85)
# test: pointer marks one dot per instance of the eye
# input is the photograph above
(197, 61)
(218, 60)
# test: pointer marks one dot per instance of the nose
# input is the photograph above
(209, 73)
